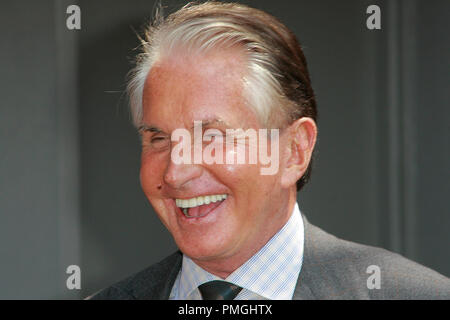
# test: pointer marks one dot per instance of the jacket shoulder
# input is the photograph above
(340, 269)
(153, 283)
(402, 278)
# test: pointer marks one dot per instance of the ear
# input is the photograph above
(301, 139)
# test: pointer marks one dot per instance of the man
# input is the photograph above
(226, 71)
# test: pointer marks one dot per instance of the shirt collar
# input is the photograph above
(271, 273)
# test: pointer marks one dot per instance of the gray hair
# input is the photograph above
(276, 85)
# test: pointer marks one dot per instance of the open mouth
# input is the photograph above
(200, 206)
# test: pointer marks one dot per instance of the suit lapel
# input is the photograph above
(304, 289)
(166, 286)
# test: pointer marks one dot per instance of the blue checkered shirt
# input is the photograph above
(271, 273)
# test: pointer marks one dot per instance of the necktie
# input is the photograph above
(219, 290)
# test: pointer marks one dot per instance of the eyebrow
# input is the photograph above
(209, 122)
(145, 127)
(205, 123)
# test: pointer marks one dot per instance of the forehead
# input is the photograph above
(181, 89)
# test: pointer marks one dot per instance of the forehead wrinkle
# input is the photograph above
(224, 68)
(187, 89)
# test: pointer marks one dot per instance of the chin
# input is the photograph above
(203, 249)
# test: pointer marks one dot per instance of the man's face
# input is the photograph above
(179, 91)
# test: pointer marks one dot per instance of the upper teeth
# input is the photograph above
(194, 202)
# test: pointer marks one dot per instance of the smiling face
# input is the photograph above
(250, 208)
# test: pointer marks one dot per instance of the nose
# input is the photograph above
(177, 175)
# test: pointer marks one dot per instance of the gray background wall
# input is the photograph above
(69, 157)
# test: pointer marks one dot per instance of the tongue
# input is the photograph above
(203, 210)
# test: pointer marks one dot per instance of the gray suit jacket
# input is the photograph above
(332, 269)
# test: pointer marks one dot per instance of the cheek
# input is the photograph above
(257, 190)
(151, 173)
(244, 180)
